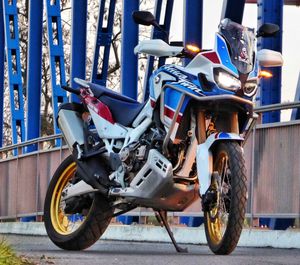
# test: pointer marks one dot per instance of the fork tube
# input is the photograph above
(201, 134)
(234, 123)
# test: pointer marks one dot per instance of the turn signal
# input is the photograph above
(265, 74)
(193, 48)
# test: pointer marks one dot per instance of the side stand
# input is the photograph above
(161, 217)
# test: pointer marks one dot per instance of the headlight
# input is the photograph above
(250, 87)
(226, 80)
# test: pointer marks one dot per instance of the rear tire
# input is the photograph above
(224, 221)
(58, 223)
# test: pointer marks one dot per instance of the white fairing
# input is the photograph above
(106, 129)
(134, 134)
(125, 135)
(204, 158)
(158, 82)
(269, 58)
(157, 48)
(201, 64)
(145, 113)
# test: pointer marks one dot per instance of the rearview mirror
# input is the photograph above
(144, 18)
(267, 30)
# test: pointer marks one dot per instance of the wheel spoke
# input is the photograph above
(223, 224)
(219, 215)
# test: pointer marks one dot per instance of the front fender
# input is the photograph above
(204, 157)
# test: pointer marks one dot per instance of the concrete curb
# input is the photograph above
(184, 235)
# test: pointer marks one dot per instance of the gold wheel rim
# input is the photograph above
(59, 219)
(214, 228)
(215, 218)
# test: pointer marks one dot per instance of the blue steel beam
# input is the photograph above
(34, 66)
(56, 51)
(14, 70)
(78, 43)
(150, 60)
(103, 40)
(286, 2)
(166, 26)
(271, 11)
(129, 61)
(234, 9)
(296, 112)
(157, 34)
(193, 23)
(1, 72)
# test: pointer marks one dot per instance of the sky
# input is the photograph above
(291, 38)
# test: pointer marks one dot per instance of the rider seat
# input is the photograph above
(123, 109)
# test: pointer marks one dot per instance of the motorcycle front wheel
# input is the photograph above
(75, 231)
(224, 219)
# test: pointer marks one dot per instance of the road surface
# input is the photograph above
(44, 252)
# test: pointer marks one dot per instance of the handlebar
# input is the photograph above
(71, 90)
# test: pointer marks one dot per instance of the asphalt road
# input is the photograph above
(41, 250)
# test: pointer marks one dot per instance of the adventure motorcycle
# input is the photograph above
(185, 142)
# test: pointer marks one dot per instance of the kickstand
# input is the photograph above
(161, 216)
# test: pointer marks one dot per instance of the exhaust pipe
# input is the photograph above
(72, 128)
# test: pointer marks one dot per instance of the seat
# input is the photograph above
(123, 109)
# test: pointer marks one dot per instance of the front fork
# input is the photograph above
(204, 157)
(207, 139)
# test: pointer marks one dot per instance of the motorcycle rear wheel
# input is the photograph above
(62, 229)
(224, 221)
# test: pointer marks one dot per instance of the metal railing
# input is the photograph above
(24, 177)
(272, 161)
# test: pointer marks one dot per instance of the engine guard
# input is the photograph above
(204, 157)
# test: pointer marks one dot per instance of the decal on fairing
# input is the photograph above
(182, 79)
(172, 98)
(152, 102)
(244, 57)
(173, 70)
(168, 117)
(224, 54)
(169, 112)
(212, 56)
(223, 135)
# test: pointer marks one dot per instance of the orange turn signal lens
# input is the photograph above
(193, 48)
(265, 74)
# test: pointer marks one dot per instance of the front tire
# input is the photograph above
(62, 229)
(225, 217)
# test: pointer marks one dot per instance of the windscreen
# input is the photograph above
(241, 42)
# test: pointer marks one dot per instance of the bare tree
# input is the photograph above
(113, 80)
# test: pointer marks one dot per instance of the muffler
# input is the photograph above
(71, 126)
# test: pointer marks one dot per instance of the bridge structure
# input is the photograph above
(25, 102)
(26, 125)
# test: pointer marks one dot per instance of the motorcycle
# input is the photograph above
(184, 143)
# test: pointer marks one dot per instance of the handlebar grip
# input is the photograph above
(71, 90)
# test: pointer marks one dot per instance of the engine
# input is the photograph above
(134, 155)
